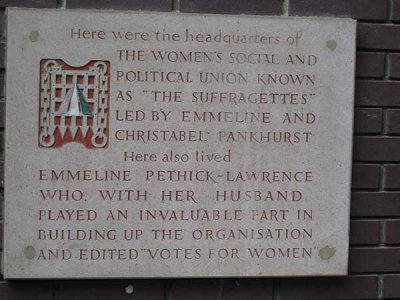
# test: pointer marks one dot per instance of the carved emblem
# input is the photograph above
(74, 104)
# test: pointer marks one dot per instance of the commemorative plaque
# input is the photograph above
(143, 145)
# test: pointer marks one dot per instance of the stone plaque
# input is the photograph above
(177, 145)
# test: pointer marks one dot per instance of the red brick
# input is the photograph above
(373, 260)
(393, 121)
(2, 112)
(391, 286)
(377, 93)
(367, 120)
(375, 204)
(2, 143)
(254, 289)
(370, 65)
(359, 9)
(394, 65)
(396, 11)
(1, 174)
(364, 232)
(1, 204)
(1, 235)
(29, 3)
(195, 289)
(106, 290)
(378, 36)
(392, 235)
(2, 25)
(2, 55)
(351, 287)
(365, 176)
(1, 84)
(239, 289)
(25, 290)
(159, 5)
(375, 149)
(392, 177)
(256, 7)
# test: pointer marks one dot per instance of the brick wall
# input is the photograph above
(375, 209)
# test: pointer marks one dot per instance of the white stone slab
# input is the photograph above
(225, 142)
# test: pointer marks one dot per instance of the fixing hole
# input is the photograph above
(129, 289)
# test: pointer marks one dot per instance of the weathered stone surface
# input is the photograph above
(118, 166)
